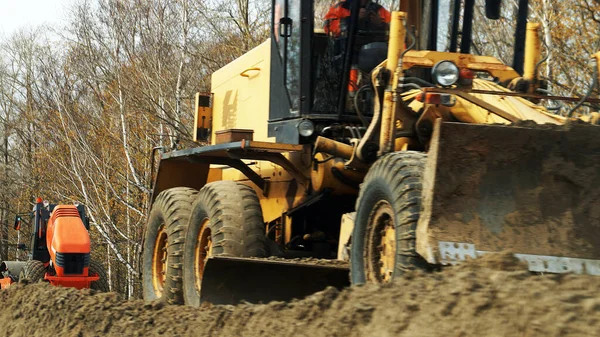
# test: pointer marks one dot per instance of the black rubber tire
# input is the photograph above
(396, 179)
(236, 225)
(102, 284)
(172, 209)
(33, 271)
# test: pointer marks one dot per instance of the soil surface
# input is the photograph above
(492, 296)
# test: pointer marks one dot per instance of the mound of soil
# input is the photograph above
(492, 296)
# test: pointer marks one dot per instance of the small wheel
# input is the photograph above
(33, 271)
(226, 220)
(387, 212)
(163, 245)
(102, 284)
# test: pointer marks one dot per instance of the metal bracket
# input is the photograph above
(239, 165)
(276, 158)
(491, 108)
(453, 252)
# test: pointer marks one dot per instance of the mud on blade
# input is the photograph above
(533, 190)
(229, 280)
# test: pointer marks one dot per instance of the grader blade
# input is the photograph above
(230, 280)
(533, 190)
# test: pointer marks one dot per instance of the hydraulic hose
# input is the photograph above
(588, 93)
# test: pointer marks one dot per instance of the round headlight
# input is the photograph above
(306, 128)
(445, 73)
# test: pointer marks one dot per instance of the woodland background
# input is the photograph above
(82, 106)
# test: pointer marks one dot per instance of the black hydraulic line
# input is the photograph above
(467, 29)
(520, 31)
(418, 81)
(544, 59)
(588, 93)
(352, 30)
(454, 29)
(360, 114)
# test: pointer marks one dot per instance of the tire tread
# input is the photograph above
(401, 172)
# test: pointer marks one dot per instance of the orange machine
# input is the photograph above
(60, 252)
(69, 247)
(5, 281)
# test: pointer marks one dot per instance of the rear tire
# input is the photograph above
(33, 271)
(102, 284)
(387, 212)
(226, 220)
(163, 245)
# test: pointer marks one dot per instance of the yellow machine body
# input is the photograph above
(492, 182)
(240, 100)
(241, 93)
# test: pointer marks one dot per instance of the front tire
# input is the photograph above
(387, 212)
(33, 271)
(102, 284)
(226, 220)
(163, 245)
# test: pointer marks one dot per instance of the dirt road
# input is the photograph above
(493, 296)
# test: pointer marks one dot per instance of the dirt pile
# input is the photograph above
(493, 296)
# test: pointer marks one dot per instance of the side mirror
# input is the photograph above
(17, 225)
(492, 9)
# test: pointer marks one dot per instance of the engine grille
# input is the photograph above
(73, 263)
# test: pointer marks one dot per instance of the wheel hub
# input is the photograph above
(160, 261)
(381, 243)
(203, 251)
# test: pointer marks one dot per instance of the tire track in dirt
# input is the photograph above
(493, 296)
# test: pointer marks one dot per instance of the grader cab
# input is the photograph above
(424, 158)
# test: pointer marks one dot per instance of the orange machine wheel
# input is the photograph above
(226, 220)
(163, 245)
(160, 261)
(203, 251)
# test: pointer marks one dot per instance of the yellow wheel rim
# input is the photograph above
(160, 261)
(203, 251)
(381, 244)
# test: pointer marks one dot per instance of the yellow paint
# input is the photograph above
(396, 40)
(387, 122)
(395, 50)
(241, 93)
(467, 112)
(283, 191)
(333, 147)
(241, 101)
(532, 51)
(427, 59)
(215, 173)
(323, 177)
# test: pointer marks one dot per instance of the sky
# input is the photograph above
(16, 14)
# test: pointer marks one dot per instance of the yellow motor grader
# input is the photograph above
(428, 159)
